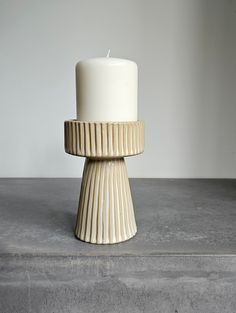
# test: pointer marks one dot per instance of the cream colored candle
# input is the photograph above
(106, 90)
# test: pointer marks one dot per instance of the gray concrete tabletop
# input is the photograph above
(37, 216)
(182, 260)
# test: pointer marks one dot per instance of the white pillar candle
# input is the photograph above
(106, 90)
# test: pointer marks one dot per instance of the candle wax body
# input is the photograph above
(106, 90)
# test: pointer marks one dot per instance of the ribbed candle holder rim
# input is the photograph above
(104, 122)
(104, 139)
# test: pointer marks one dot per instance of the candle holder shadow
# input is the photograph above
(105, 212)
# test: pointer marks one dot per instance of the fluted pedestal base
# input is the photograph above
(105, 213)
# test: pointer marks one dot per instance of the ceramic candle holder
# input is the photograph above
(105, 212)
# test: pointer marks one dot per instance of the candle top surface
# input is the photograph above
(105, 61)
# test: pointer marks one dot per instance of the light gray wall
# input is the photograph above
(186, 52)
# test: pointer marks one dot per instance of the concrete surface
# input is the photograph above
(183, 258)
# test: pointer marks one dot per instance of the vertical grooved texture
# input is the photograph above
(104, 139)
(105, 213)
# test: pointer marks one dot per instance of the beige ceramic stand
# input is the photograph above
(105, 213)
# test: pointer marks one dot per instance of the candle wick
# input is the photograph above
(108, 53)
